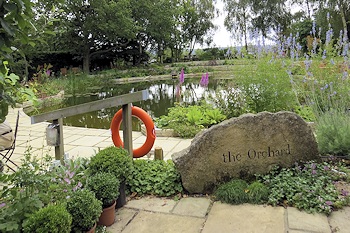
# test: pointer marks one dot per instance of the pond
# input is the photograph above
(162, 96)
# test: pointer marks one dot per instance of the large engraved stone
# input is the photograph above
(243, 146)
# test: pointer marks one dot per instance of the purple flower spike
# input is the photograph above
(204, 80)
(182, 76)
(2, 204)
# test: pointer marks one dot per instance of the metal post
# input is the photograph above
(59, 149)
(127, 128)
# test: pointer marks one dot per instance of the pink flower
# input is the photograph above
(344, 192)
(329, 203)
(204, 80)
(182, 76)
(70, 174)
(2, 204)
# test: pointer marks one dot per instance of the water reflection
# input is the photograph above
(163, 95)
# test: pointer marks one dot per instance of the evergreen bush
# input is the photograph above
(52, 218)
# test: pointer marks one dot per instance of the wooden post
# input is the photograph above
(59, 149)
(127, 128)
(158, 153)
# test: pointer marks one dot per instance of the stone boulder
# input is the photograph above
(243, 146)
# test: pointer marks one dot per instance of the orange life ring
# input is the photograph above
(146, 119)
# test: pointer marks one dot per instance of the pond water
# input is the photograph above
(163, 95)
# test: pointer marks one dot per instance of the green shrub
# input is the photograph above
(112, 159)
(230, 100)
(24, 192)
(309, 187)
(52, 218)
(333, 133)
(84, 208)
(186, 131)
(155, 177)
(305, 112)
(238, 191)
(67, 178)
(232, 192)
(258, 193)
(105, 186)
(267, 89)
(187, 121)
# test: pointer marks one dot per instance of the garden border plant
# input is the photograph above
(308, 186)
(188, 120)
(154, 177)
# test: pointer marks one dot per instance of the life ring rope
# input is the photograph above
(150, 130)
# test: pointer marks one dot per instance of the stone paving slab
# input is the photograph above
(88, 141)
(68, 138)
(105, 144)
(244, 218)
(81, 152)
(122, 218)
(300, 220)
(150, 222)
(192, 206)
(163, 205)
(339, 221)
(166, 145)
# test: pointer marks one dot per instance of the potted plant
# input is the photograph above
(52, 218)
(85, 210)
(114, 160)
(106, 188)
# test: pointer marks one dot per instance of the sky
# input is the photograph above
(222, 38)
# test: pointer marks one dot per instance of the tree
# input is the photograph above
(338, 9)
(196, 21)
(305, 6)
(15, 18)
(270, 14)
(156, 21)
(238, 18)
(343, 8)
(40, 35)
(15, 22)
(89, 27)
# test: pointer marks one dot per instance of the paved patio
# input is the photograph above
(78, 142)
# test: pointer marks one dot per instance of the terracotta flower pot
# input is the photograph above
(107, 216)
(92, 230)
(121, 201)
